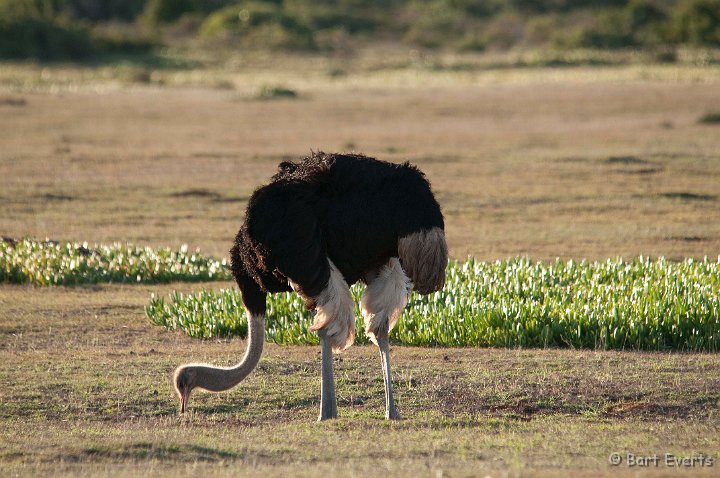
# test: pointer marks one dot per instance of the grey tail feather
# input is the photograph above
(424, 257)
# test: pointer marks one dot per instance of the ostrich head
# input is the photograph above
(185, 380)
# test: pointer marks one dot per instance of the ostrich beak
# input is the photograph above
(184, 397)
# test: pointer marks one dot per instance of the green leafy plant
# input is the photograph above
(54, 263)
(615, 304)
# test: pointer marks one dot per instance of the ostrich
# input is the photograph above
(322, 223)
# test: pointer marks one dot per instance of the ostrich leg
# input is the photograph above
(328, 403)
(383, 342)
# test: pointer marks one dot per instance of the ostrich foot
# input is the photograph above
(326, 414)
(392, 414)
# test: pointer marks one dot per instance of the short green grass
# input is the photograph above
(641, 304)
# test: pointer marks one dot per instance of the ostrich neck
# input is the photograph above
(217, 379)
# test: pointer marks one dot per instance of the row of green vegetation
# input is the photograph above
(55, 263)
(77, 29)
(641, 305)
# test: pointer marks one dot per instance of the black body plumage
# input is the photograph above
(349, 208)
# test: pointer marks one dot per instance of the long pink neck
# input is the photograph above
(217, 379)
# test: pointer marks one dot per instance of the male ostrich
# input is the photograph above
(321, 224)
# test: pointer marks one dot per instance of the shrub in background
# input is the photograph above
(77, 29)
(118, 38)
(647, 21)
(55, 30)
(540, 29)
(639, 23)
(259, 23)
(697, 22)
(430, 25)
(505, 31)
(545, 6)
(103, 10)
(33, 33)
(166, 11)
(322, 17)
(477, 8)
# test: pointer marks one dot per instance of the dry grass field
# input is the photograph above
(551, 163)
(582, 162)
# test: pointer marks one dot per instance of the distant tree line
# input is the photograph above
(77, 29)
